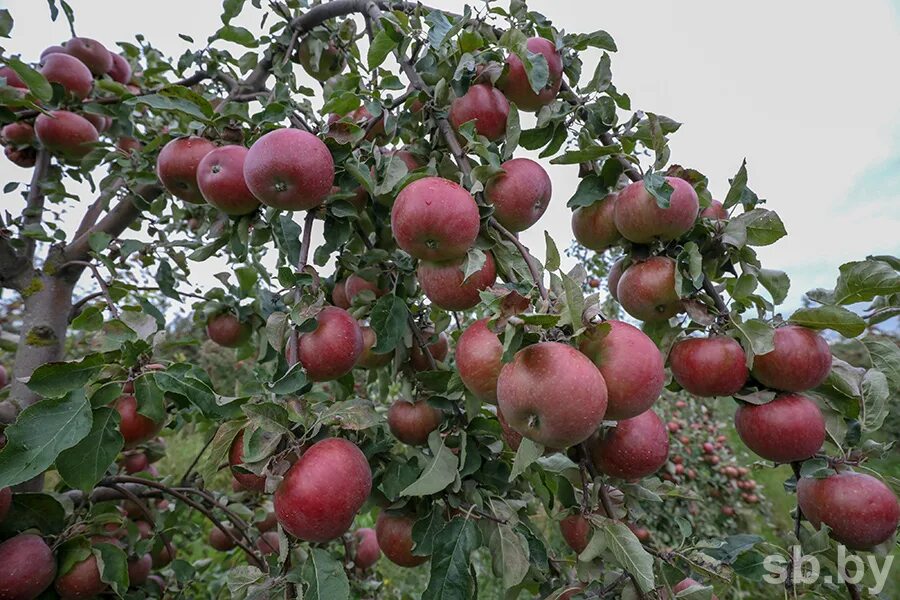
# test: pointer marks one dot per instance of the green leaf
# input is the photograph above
(689, 271)
(218, 449)
(738, 185)
(777, 282)
(379, 49)
(33, 511)
(763, 227)
(58, 378)
(425, 531)
(574, 303)
(438, 28)
(207, 250)
(586, 154)
(170, 104)
(885, 357)
(528, 452)
(628, 552)
(451, 578)
(590, 189)
(85, 463)
(6, 23)
(863, 280)
(441, 470)
(602, 75)
(536, 69)
(552, 260)
(198, 393)
(388, 319)
(744, 285)
(836, 318)
(151, 401)
(475, 259)
(758, 337)
(509, 555)
(40, 433)
(238, 35)
(113, 566)
(513, 132)
(231, 9)
(875, 395)
(287, 236)
(290, 382)
(37, 83)
(325, 577)
(659, 188)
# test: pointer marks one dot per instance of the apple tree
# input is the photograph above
(416, 384)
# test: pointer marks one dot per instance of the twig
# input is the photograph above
(307, 237)
(34, 202)
(104, 288)
(533, 267)
(585, 493)
(710, 289)
(798, 518)
(93, 213)
(193, 464)
(143, 508)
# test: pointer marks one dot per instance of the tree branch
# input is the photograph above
(307, 238)
(93, 213)
(104, 288)
(34, 204)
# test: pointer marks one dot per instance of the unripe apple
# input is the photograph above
(647, 289)
(800, 361)
(70, 73)
(339, 294)
(139, 570)
(177, 163)
(478, 360)
(514, 82)
(552, 394)
(289, 169)
(135, 427)
(631, 365)
(322, 492)
(65, 134)
(268, 543)
(220, 540)
(411, 422)
(715, 211)
(82, 581)
(92, 53)
(226, 330)
(615, 274)
(787, 429)
(220, 177)
(369, 359)
(635, 448)
(249, 481)
(435, 219)
(576, 531)
(330, 60)
(860, 510)
(394, 534)
(438, 349)
(485, 105)
(17, 134)
(715, 366)
(594, 226)
(444, 284)
(367, 550)
(27, 567)
(356, 284)
(333, 347)
(639, 218)
(520, 195)
(120, 71)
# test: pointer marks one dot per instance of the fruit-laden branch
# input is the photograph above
(146, 512)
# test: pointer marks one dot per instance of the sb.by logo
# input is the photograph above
(806, 569)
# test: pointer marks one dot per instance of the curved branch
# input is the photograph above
(533, 266)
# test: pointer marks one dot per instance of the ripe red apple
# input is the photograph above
(687, 583)
(514, 82)
(411, 422)
(800, 361)
(444, 285)
(135, 427)
(322, 492)
(512, 437)
(21, 157)
(128, 145)
(631, 365)
(5, 502)
(135, 463)
(120, 71)
(485, 105)
(82, 581)
(438, 349)
(787, 429)
(394, 533)
(715, 366)
(17, 134)
(27, 567)
(177, 163)
(635, 448)
(860, 510)
(552, 394)
(220, 177)
(162, 556)
(339, 294)
(640, 219)
(576, 531)
(289, 169)
(594, 226)
(66, 134)
(329, 62)
(139, 570)
(220, 540)
(646, 290)
(615, 274)
(12, 78)
(411, 161)
(226, 330)
(355, 284)
(478, 360)
(367, 550)
(369, 359)
(100, 122)
(249, 481)
(268, 543)
(268, 523)
(333, 347)
(70, 73)
(435, 219)
(715, 211)
(92, 53)
(520, 195)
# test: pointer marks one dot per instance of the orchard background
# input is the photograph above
(328, 399)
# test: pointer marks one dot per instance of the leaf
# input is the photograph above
(37, 83)
(837, 318)
(33, 511)
(380, 47)
(586, 154)
(425, 531)
(536, 70)
(438, 28)
(738, 185)
(195, 391)
(602, 75)
(238, 35)
(528, 452)
(659, 188)
(513, 132)
(744, 286)
(590, 189)
(113, 566)
(552, 261)
(776, 282)
(138, 321)
(85, 463)
(40, 433)
(628, 553)
(59, 378)
(863, 280)
(764, 227)
(574, 303)
(874, 406)
(388, 319)
(207, 250)
(440, 471)
(287, 236)
(885, 357)
(231, 9)
(475, 259)
(689, 271)
(170, 104)
(509, 555)
(151, 401)
(290, 382)
(450, 577)
(218, 449)
(325, 576)
(758, 337)
(6, 23)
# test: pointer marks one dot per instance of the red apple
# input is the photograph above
(512, 437)
(715, 366)
(576, 531)
(635, 448)
(27, 567)
(438, 349)
(485, 105)
(355, 284)
(100, 122)
(631, 365)
(688, 583)
(135, 427)
(269, 522)
(369, 359)
(139, 570)
(478, 360)
(129, 145)
(715, 211)
(321, 65)
(92, 53)
(21, 157)
(66, 134)
(289, 169)
(411, 161)
(787, 429)
(17, 134)
(520, 195)
(226, 330)
(322, 492)
(177, 163)
(800, 361)
(860, 510)
(367, 550)
(411, 422)
(220, 177)
(339, 294)
(646, 290)
(81, 581)
(135, 463)
(552, 394)
(220, 540)
(394, 533)
(615, 274)
(12, 78)
(444, 285)
(162, 556)
(120, 71)
(594, 226)
(70, 73)
(333, 347)
(249, 481)
(268, 543)
(435, 219)
(514, 82)
(639, 218)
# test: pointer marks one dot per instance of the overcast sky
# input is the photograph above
(804, 90)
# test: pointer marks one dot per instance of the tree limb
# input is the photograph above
(93, 213)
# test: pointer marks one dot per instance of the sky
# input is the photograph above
(799, 89)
